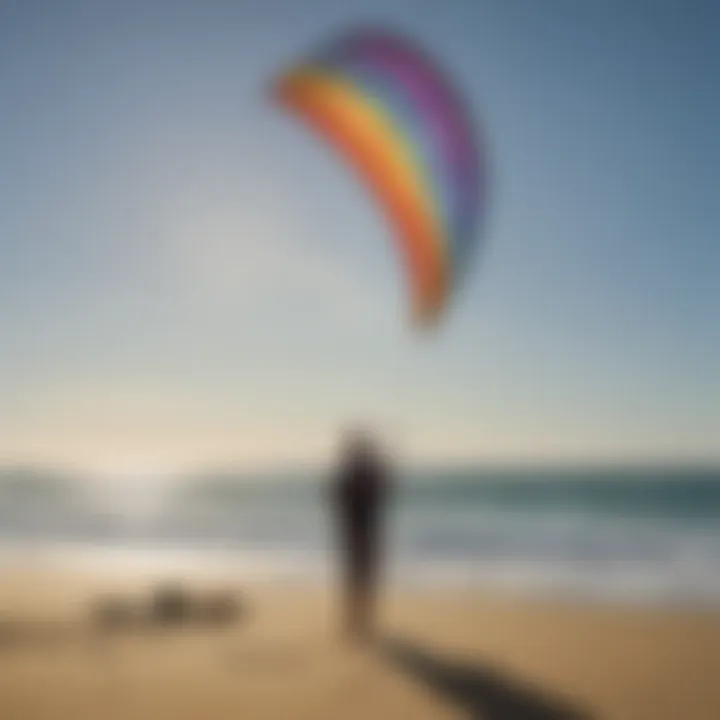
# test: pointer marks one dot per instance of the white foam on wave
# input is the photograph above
(686, 584)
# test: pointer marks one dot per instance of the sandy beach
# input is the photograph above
(440, 654)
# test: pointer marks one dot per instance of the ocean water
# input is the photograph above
(648, 536)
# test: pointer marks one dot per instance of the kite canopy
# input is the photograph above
(390, 111)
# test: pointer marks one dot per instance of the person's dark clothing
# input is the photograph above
(360, 494)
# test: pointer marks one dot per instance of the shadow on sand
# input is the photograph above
(478, 690)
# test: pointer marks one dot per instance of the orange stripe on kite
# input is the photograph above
(360, 133)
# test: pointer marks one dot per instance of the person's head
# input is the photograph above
(358, 443)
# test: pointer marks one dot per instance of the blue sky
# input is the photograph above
(188, 277)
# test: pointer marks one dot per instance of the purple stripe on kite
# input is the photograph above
(419, 83)
(423, 79)
(427, 111)
(419, 75)
(441, 122)
(437, 103)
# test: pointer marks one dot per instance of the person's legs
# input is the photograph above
(361, 590)
(360, 560)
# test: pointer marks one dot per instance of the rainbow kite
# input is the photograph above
(385, 106)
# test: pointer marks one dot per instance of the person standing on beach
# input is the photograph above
(360, 491)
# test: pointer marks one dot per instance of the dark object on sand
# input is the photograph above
(218, 608)
(170, 605)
